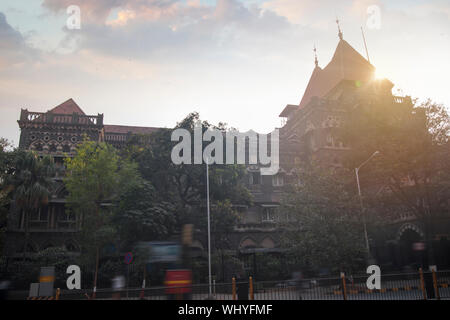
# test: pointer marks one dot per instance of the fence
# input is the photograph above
(410, 286)
(405, 286)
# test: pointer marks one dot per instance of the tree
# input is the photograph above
(6, 164)
(31, 179)
(184, 185)
(325, 229)
(413, 166)
(141, 215)
(6, 159)
(224, 218)
(96, 177)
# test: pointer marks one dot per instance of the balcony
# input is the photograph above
(400, 100)
(259, 227)
(53, 118)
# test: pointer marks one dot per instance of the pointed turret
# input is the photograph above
(340, 34)
(316, 62)
(346, 64)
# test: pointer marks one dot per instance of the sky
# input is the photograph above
(152, 62)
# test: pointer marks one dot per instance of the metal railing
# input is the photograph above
(403, 286)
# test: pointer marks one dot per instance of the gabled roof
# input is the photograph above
(346, 64)
(67, 107)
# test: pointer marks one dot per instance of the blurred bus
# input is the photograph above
(160, 256)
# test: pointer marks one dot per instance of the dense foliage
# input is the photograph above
(326, 227)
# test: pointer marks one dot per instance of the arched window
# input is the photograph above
(47, 245)
(37, 146)
(268, 243)
(66, 148)
(248, 243)
(72, 246)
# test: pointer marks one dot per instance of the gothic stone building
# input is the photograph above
(309, 128)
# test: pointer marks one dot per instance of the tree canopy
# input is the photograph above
(184, 185)
(325, 228)
(412, 171)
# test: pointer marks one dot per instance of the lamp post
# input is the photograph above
(209, 227)
(361, 203)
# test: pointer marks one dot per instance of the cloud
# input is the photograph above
(305, 12)
(173, 30)
(122, 17)
(10, 37)
(13, 46)
(98, 11)
(92, 11)
(230, 60)
(321, 14)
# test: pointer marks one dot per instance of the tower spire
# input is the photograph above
(315, 57)
(340, 34)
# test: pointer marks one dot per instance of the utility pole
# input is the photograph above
(209, 228)
(369, 257)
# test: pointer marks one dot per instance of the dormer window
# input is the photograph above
(330, 140)
(278, 180)
(254, 178)
(39, 215)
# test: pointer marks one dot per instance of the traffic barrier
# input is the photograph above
(344, 288)
(384, 290)
(233, 286)
(422, 284)
(250, 283)
(435, 285)
(41, 298)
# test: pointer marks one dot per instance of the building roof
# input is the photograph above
(126, 129)
(346, 64)
(288, 110)
(67, 107)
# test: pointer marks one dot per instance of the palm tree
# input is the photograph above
(31, 182)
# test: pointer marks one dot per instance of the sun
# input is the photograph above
(379, 75)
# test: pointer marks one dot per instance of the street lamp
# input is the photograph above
(209, 226)
(361, 203)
